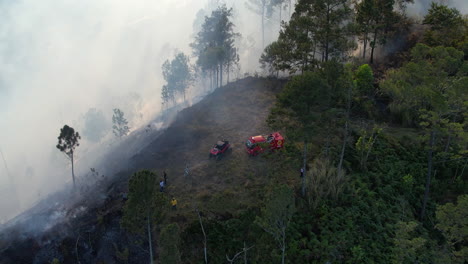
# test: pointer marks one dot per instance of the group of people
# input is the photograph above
(162, 185)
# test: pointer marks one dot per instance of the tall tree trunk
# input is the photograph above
(304, 166)
(204, 237)
(283, 246)
(327, 44)
(149, 239)
(221, 74)
(365, 46)
(280, 9)
(245, 253)
(447, 145)
(429, 174)
(228, 72)
(373, 44)
(211, 80)
(263, 24)
(345, 138)
(217, 77)
(73, 169)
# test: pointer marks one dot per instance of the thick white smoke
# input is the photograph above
(60, 58)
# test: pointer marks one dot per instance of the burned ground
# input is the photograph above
(91, 232)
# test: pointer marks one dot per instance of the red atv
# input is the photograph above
(219, 149)
(258, 144)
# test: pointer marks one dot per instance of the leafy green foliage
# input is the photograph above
(122, 255)
(214, 44)
(369, 215)
(377, 20)
(364, 146)
(329, 27)
(169, 252)
(447, 26)
(453, 222)
(297, 103)
(364, 79)
(120, 127)
(277, 214)
(407, 245)
(324, 182)
(144, 202)
(275, 57)
(318, 31)
(424, 82)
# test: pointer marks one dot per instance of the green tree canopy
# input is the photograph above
(453, 222)
(178, 76)
(424, 83)
(145, 204)
(447, 26)
(318, 31)
(169, 249)
(277, 214)
(376, 20)
(214, 44)
(364, 79)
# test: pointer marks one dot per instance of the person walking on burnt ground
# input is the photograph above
(174, 203)
(165, 177)
(302, 172)
(161, 186)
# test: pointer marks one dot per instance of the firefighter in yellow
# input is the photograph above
(174, 203)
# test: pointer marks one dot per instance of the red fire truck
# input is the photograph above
(257, 144)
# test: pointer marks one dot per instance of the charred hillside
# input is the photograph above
(91, 232)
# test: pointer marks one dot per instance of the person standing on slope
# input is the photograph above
(161, 186)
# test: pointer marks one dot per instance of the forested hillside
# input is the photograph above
(383, 144)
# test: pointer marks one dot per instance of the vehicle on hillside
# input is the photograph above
(258, 144)
(219, 149)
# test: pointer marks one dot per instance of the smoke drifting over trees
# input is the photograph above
(60, 59)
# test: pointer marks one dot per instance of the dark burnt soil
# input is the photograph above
(91, 232)
(234, 113)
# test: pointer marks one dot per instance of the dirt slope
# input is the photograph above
(234, 112)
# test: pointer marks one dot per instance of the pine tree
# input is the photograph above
(120, 127)
(277, 214)
(214, 45)
(67, 142)
(145, 205)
